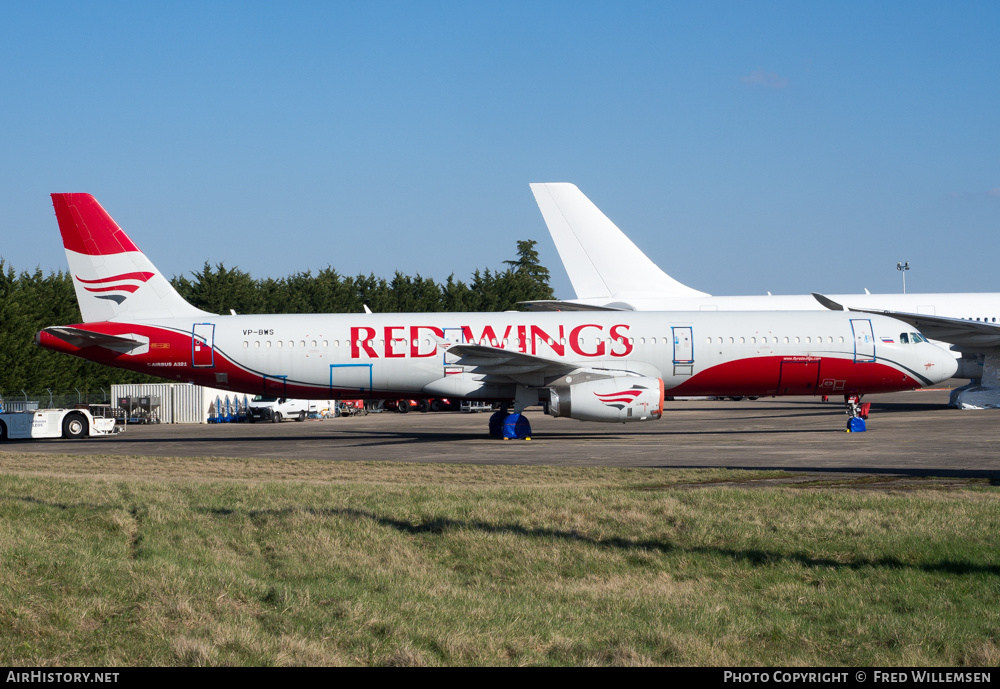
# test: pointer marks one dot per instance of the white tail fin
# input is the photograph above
(114, 281)
(600, 260)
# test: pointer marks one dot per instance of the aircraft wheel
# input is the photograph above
(74, 426)
(496, 424)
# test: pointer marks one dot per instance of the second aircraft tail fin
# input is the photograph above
(600, 260)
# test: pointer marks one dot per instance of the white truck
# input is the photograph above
(55, 423)
(275, 409)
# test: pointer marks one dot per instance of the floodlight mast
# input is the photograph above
(903, 267)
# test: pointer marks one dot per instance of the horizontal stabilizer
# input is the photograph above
(86, 338)
(827, 302)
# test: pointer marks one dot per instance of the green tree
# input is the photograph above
(532, 278)
(220, 289)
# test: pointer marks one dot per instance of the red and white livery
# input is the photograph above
(596, 366)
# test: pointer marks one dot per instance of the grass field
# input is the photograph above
(147, 561)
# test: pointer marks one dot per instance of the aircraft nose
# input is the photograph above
(941, 364)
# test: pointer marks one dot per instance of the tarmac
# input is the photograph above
(909, 434)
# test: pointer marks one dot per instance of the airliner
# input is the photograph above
(609, 366)
(609, 272)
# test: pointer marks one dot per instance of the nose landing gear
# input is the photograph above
(857, 413)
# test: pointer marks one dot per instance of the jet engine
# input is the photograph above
(615, 400)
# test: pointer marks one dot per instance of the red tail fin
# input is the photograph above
(87, 228)
(113, 279)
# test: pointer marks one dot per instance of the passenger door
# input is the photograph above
(864, 340)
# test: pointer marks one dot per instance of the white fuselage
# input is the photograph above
(375, 355)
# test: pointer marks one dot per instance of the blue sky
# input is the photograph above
(745, 147)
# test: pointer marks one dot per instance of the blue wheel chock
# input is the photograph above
(516, 426)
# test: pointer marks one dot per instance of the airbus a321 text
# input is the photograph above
(593, 366)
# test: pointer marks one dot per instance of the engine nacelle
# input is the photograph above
(615, 400)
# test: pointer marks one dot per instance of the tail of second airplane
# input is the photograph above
(114, 280)
(600, 260)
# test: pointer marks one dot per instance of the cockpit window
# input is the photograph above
(917, 337)
(904, 338)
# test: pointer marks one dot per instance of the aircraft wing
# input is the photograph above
(557, 305)
(504, 362)
(86, 338)
(965, 335)
(530, 369)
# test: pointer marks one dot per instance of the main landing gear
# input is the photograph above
(856, 413)
(508, 425)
